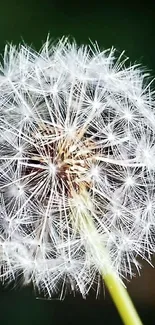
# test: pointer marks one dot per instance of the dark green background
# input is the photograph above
(127, 26)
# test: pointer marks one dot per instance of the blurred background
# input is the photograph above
(129, 27)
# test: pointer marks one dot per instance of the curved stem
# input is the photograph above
(81, 217)
(121, 299)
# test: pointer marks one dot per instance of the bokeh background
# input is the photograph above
(128, 26)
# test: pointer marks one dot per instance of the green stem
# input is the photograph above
(83, 223)
(121, 299)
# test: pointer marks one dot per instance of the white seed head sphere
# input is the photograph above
(77, 165)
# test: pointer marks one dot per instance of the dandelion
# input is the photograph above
(77, 169)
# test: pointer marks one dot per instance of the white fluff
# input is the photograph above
(77, 165)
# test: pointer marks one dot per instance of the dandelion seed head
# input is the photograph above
(77, 172)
